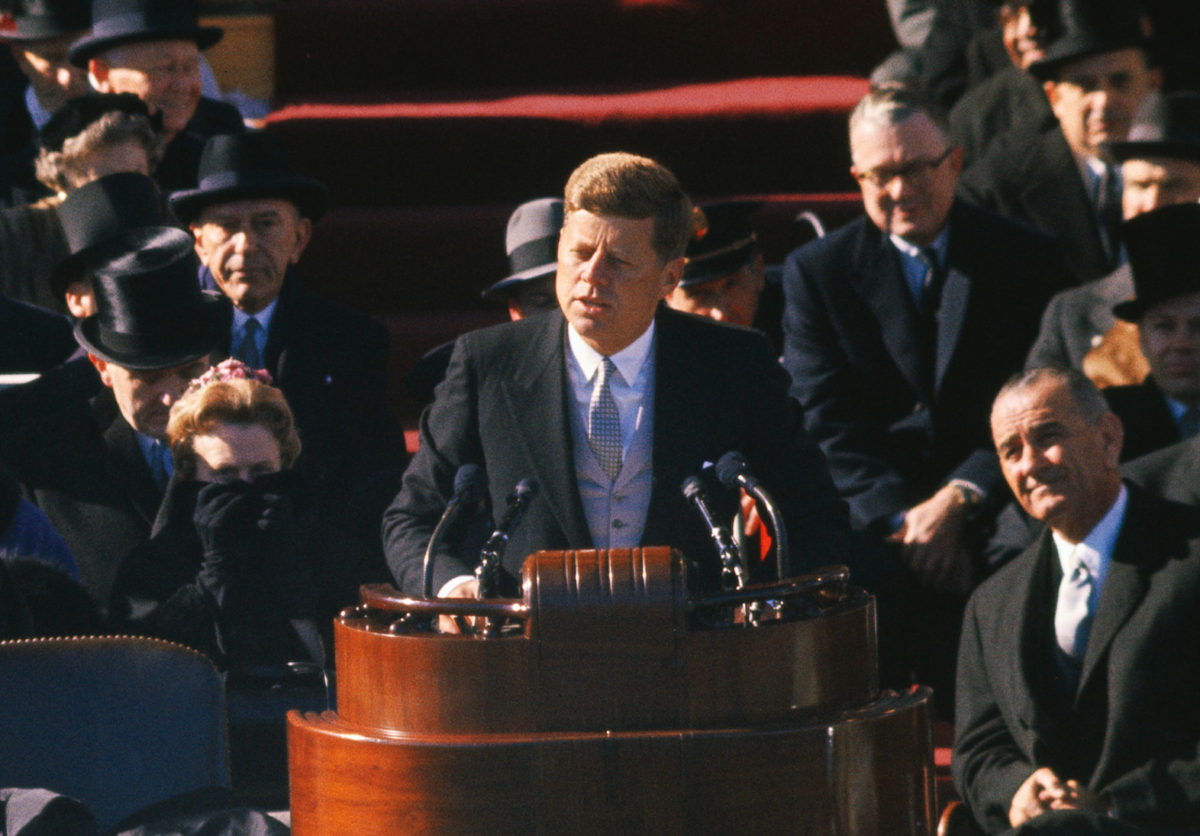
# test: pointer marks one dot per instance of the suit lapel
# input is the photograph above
(880, 284)
(536, 397)
(680, 399)
(1124, 587)
(1031, 675)
(956, 296)
(1063, 189)
(128, 469)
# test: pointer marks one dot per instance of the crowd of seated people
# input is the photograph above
(208, 454)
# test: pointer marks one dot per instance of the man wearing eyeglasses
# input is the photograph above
(898, 329)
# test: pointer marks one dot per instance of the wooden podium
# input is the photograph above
(613, 704)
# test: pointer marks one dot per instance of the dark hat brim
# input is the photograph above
(149, 357)
(1130, 310)
(39, 28)
(310, 196)
(703, 270)
(505, 286)
(1048, 68)
(1122, 151)
(90, 46)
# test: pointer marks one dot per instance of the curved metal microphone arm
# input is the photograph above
(468, 490)
(734, 471)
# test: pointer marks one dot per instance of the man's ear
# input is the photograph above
(98, 74)
(672, 274)
(102, 368)
(303, 236)
(1114, 438)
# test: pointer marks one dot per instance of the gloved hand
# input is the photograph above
(225, 519)
(286, 542)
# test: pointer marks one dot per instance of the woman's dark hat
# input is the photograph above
(74, 117)
(150, 311)
(99, 211)
(723, 241)
(39, 20)
(1083, 28)
(117, 22)
(1162, 256)
(1165, 126)
(531, 243)
(243, 166)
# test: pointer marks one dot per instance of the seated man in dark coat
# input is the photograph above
(1076, 712)
(1096, 73)
(152, 49)
(897, 329)
(97, 469)
(251, 217)
(610, 404)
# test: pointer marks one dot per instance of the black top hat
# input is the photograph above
(723, 241)
(1162, 255)
(99, 211)
(531, 243)
(1083, 28)
(243, 166)
(74, 117)
(150, 311)
(37, 20)
(116, 22)
(1165, 126)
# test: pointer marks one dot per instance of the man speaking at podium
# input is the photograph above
(609, 405)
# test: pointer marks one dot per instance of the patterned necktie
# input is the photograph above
(931, 286)
(1073, 615)
(604, 422)
(248, 351)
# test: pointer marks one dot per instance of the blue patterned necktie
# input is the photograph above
(604, 422)
(247, 350)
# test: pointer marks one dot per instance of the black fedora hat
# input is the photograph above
(1162, 256)
(39, 20)
(117, 22)
(1165, 126)
(243, 166)
(150, 310)
(722, 243)
(531, 242)
(1083, 28)
(99, 211)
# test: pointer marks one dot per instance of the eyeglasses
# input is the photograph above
(915, 170)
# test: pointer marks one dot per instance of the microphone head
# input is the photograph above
(730, 466)
(469, 484)
(692, 487)
(525, 490)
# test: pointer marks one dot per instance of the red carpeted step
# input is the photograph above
(334, 46)
(779, 134)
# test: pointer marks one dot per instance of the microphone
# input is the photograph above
(727, 550)
(469, 483)
(489, 557)
(733, 471)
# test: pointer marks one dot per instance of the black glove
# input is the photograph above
(225, 519)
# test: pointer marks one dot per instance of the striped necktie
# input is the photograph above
(247, 350)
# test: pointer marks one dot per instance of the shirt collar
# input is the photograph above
(264, 316)
(629, 360)
(1178, 408)
(1095, 550)
(911, 250)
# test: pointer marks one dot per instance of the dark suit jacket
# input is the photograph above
(83, 468)
(1034, 178)
(851, 347)
(1132, 727)
(32, 339)
(1077, 319)
(504, 406)
(1009, 100)
(180, 165)
(1147, 419)
(330, 361)
(1172, 472)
